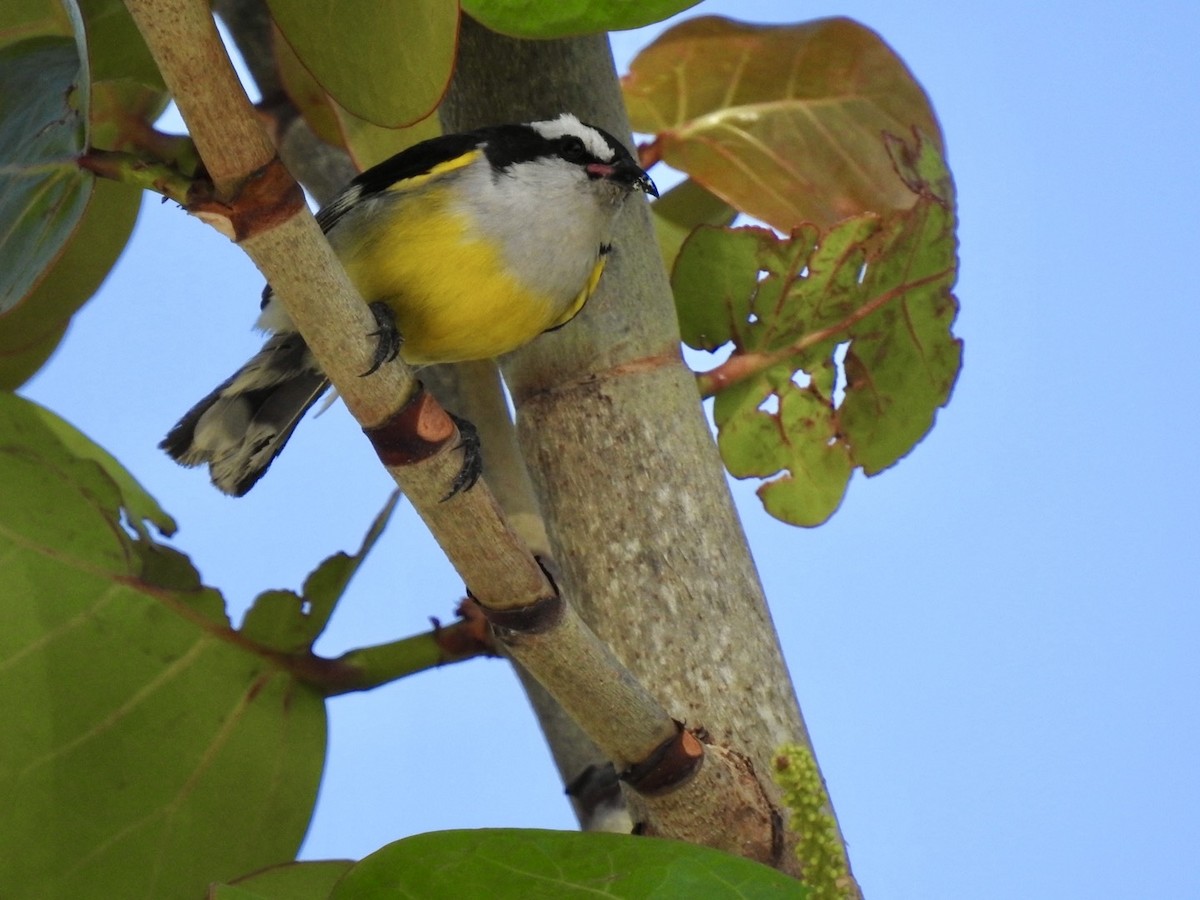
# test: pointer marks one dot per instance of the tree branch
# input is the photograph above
(546, 636)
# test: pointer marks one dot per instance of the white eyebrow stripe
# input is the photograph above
(569, 124)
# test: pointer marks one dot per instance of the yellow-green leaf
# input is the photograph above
(21, 19)
(386, 61)
(783, 121)
(116, 49)
(146, 752)
(290, 622)
(369, 144)
(365, 142)
(563, 18)
(304, 91)
(291, 881)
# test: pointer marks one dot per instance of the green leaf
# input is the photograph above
(564, 18)
(880, 287)
(146, 752)
(903, 363)
(715, 280)
(138, 505)
(556, 865)
(366, 143)
(799, 439)
(289, 623)
(369, 145)
(681, 210)
(386, 61)
(76, 246)
(781, 121)
(232, 892)
(30, 332)
(21, 19)
(302, 89)
(116, 49)
(292, 881)
(43, 127)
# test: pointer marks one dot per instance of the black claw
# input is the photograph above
(472, 466)
(390, 338)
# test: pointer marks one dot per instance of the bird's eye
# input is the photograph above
(572, 150)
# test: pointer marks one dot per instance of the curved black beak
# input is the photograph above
(636, 177)
(626, 172)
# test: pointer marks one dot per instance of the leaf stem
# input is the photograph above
(370, 667)
(128, 168)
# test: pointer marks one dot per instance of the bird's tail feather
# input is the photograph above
(241, 426)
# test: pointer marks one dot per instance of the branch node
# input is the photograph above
(416, 431)
(535, 618)
(267, 198)
(468, 636)
(668, 766)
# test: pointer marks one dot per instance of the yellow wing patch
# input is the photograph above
(416, 181)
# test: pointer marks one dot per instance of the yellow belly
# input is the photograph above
(451, 295)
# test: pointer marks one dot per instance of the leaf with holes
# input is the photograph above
(877, 288)
(781, 121)
(148, 750)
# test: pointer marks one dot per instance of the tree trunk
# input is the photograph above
(627, 473)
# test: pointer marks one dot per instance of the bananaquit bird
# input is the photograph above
(466, 246)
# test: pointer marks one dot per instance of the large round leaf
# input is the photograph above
(365, 142)
(563, 18)
(30, 332)
(386, 61)
(510, 864)
(43, 127)
(146, 750)
(784, 122)
(21, 19)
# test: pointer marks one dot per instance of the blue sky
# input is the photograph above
(995, 644)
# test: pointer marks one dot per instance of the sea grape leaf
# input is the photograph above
(30, 332)
(680, 210)
(781, 121)
(290, 622)
(386, 61)
(137, 505)
(876, 286)
(56, 261)
(147, 752)
(21, 19)
(565, 18)
(556, 865)
(365, 142)
(43, 127)
(291, 881)
(116, 49)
